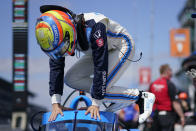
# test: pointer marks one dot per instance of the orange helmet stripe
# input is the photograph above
(65, 17)
(42, 25)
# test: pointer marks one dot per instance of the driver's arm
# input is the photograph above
(56, 79)
(56, 86)
(100, 58)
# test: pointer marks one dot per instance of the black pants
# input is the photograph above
(128, 124)
(164, 122)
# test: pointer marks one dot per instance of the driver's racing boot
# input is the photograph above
(145, 103)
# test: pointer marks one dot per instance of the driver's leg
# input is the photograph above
(79, 76)
(121, 97)
(118, 63)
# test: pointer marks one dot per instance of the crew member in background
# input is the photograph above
(166, 103)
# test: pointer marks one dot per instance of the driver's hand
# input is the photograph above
(94, 110)
(56, 109)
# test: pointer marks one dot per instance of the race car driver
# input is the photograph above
(107, 49)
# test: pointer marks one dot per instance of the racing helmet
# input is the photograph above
(56, 33)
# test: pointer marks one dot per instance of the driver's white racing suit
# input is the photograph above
(107, 49)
